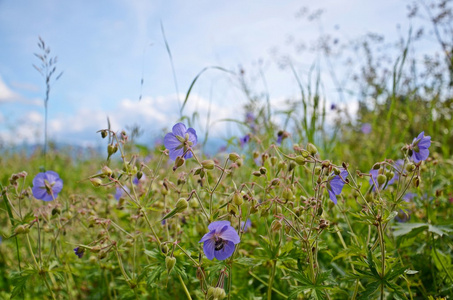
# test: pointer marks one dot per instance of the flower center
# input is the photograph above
(219, 244)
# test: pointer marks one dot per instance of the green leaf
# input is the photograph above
(371, 288)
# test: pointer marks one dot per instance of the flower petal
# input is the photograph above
(225, 252)
(39, 192)
(207, 236)
(332, 196)
(52, 176)
(58, 186)
(39, 179)
(218, 225)
(230, 235)
(208, 248)
(171, 142)
(179, 129)
(192, 136)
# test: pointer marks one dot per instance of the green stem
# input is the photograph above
(31, 252)
(271, 280)
(265, 283)
(382, 244)
(48, 286)
(184, 287)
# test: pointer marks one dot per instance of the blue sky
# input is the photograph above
(106, 47)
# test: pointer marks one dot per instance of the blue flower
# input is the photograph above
(79, 251)
(246, 225)
(46, 186)
(335, 185)
(180, 140)
(120, 192)
(366, 128)
(398, 165)
(244, 140)
(220, 241)
(420, 147)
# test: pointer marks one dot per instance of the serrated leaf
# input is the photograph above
(370, 289)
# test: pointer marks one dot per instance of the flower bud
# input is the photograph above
(325, 164)
(416, 181)
(376, 166)
(275, 182)
(381, 179)
(233, 157)
(276, 225)
(239, 162)
(103, 134)
(181, 205)
(208, 164)
(237, 199)
(281, 165)
(317, 170)
(300, 160)
(164, 248)
(256, 154)
(96, 182)
(336, 171)
(179, 161)
(193, 203)
(264, 157)
(291, 166)
(216, 293)
(22, 229)
(305, 153)
(232, 210)
(170, 263)
(111, 149)
(274, 160)
(263, 170)
(256, 173)
(139, 175)
(410, 167)
(287, 194)
(107, 171)
(312, 149)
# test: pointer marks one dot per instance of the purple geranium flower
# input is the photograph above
(366, 128)
(220, 241)
(46, 186)
(79, 251)
(398, 165)
(180, 140)
(244, 140)
(120, 192)
(335, 185)
(420, 147)
(246, 225)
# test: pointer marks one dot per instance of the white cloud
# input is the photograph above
(6, 94)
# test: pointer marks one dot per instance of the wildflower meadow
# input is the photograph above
(296, 205)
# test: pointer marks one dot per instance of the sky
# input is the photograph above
(106, 48)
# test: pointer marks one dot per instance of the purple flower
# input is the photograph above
(220, 241)
(46, 186)
(249, 117)
(366, 128)
(180, 140)
(120, 192)
(409, 196)
(402, 216)
(79, 251)
(333, 106)
(244, 140)
(398, 165)
(335, 185)
(246, 225)
(420, 147)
